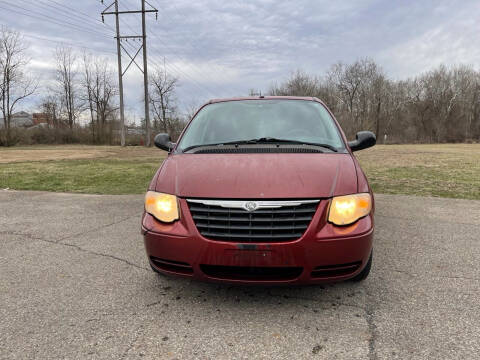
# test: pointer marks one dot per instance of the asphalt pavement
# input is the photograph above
(75, 284)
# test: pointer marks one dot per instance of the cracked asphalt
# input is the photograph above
(75, 284)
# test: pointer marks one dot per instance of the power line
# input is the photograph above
(76, 44)
(40, 16)
(68, 43)
(189, 64)
(218, 72)
(170, 69)
(64, 11)
(180, 71)
(186, 40)
(77, 12)
(66, 14)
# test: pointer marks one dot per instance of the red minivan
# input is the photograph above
(261, 190)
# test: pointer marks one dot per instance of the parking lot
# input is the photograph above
(75, 283)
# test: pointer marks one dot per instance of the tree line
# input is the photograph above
(82, 89)
(440, 105)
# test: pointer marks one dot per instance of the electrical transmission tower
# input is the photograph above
(121, 72)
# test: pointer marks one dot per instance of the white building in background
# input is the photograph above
(19, 119)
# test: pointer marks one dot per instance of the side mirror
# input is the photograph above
(163, 141)
(365, 139)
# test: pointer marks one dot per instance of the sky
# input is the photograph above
(219, 48)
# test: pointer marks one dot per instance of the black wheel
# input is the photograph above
(366, 270)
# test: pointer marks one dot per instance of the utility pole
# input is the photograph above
(122, 72)
(120, 78)
(145, 77)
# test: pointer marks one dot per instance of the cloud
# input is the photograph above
(454, 40)
(223, 48)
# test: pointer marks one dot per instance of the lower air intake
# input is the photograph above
(335, 270)
(173, 266)
(251, 273)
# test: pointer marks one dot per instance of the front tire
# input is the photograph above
(365, 272)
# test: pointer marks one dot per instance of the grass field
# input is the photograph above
(446, 170)
(82, 169)
(427, 170)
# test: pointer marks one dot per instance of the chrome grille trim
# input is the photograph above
(240, 204)
(252, 221)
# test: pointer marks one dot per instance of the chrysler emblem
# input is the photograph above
(250, 206)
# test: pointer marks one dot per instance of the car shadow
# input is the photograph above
(327, 296)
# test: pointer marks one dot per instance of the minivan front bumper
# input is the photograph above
(325, 253)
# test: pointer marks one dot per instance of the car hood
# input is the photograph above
(257, 176)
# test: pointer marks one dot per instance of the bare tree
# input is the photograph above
(298, 84)
(162, 98)
(347, 81)
(360, 90)
(254, 92)
(67, 84)
(191, 110)
(441, 105)
(50, 107)
(88, 86)
(99, 93)
(15, 86)
(355, 92)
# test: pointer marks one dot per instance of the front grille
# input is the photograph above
(271, 222)
(251, 273)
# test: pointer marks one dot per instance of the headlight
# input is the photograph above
(345, 210)
(163, 207)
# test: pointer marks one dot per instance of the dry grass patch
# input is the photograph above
(446, 170)
(71, 152)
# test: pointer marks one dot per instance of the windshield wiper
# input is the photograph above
(264, 140)
(278, 141)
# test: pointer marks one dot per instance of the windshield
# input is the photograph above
(231, 121)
